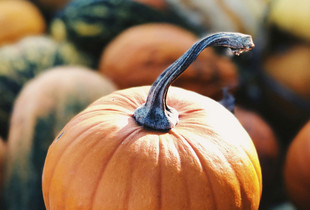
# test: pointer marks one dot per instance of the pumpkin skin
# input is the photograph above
(296, 169)
(43, 107)
(207, 161)
(152, 47)
(18, 20)
(21, 61)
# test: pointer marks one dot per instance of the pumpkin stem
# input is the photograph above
(155, 114)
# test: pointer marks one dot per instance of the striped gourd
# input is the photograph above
(92, 24)
(42, 108)
(25, 59)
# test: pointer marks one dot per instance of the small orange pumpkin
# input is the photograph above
(145, 50)
(297, 170)
(18, 20)
(133, 149)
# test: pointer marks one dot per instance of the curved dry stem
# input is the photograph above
(155, 114)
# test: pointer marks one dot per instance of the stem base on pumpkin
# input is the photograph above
(150, 117)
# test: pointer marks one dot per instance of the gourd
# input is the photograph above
(284, 79)
(90, 25)
(285, 75)
(18, 20)
(24, 60)
(242, 15)
(42, 108)
(290, 17)
(147, 49)
(290, 68)
(296, 168)
(154, 148)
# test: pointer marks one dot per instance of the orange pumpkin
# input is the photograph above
(147, 148)
(19, 19)
(297, 170)
(145, 50)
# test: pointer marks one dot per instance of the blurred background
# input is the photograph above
(58, 56)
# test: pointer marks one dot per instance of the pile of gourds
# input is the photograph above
(141, 104)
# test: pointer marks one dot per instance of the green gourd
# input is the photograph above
(92, 24)
(24, 60)
(42, 108)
